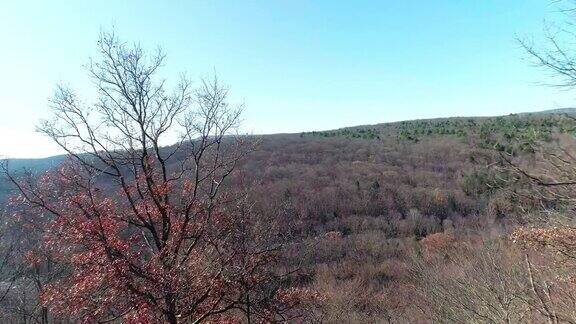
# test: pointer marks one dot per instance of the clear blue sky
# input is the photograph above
(297, 65)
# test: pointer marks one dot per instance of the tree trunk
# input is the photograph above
(171, 309)
(44, 315)
(248, 315)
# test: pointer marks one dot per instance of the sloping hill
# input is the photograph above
(33, 165)
(380, 191)
(36, 164)
(570, 111)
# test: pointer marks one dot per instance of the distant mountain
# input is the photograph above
(569, 111)
(35, 164)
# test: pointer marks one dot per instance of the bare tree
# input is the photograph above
(7, 246)
(555, 54)
(545, 181)
(22, 276)
(147, 231)
(461, 282)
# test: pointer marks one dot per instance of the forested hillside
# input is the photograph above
(377, 217)
(392, 214)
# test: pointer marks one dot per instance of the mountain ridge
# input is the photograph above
(43, 163)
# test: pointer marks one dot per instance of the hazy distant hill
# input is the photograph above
(34, 165)
(570, 111)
